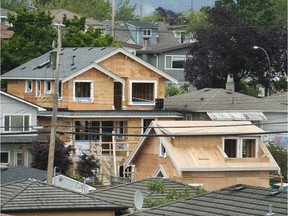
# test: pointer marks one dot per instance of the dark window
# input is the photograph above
(143, 92)
(83, 89)
(4, 157)
(248, 148)
(230, 147)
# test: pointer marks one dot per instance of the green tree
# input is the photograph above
(172, 90)
(33, 36)
(280, 154)
(157, 187)
(16, 5)
(281, 84)
(97, 9)
(126, 12)
(40, 153)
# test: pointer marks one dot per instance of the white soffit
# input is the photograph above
(237, 116)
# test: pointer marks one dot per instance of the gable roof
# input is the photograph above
(235, 200)
(59, 14)
(203, 158)
(142, 24)
(124, 193)
(21, 172)
(218, 99)
(75, 61)
(22, 101)
(278, 98)
(32, 195)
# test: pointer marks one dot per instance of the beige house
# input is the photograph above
(215, 154)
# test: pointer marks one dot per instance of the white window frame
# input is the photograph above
(256, 145)
(239, 145)
(23, 126)
(8, 157)
(29, 86)
(173, 58)
(46, 89)
(90, 99)
(162, 150)
(119, 130)
(131, 82)
(37, 88)
(15, 158)
(145, 32)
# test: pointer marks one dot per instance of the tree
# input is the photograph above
(280, 154)
(61, 158)
(226, 48)
(169, 16)
(87, 164)
(281, 84)
(175, 90)
(97, 9)
(126, 12)
(157, 187)
(33, 36)
(15, 5)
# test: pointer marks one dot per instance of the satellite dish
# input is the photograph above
(138, 199)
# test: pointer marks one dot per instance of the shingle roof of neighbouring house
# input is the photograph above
(235, 200)
(21, 172)
(32, 195)
(217, 99)
(124, 193)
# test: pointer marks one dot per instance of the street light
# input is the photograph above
(269, 67)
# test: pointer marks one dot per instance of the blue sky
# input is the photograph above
(174, 5)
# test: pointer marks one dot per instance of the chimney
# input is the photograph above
(230, 85)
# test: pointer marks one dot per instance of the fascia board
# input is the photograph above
(230, 169)
(23, 101)
(98, 67)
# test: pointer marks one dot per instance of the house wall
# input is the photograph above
(217, 180)
(70, 213)
(148, 161)
(13, 149)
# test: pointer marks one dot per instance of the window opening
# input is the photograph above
(19, 159)
(38, 88)
(28, 86)
(175, 62)
(83, 90)
(146, 32)
(16, 123)
(230, 147)
(248, 148)
(162, 150)
(47, 86)
(4, 157)
(142, 93)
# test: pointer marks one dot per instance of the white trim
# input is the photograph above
(38, 88)
(91, 98)
(142, 81)
(146, 30)
(160, 169)
(230, 169)
(97, 67)
(23, 101)
(256, 145)
(46, 90)
(171, 68)
(140, 61)
(28, 90)
(162, 148)
(23, 119)
(23, 157)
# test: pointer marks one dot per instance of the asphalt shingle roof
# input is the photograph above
(124, 193)
(21, 172)
(83, 56)
(33, 195)
(235, 200)
(213, 99)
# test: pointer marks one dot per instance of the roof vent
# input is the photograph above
(23, 68)
(274, 193)
(103, 48)
(238, 188)
(206, 90)
(74, 49)
(229, 92)
(90, 48)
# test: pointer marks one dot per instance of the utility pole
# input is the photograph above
(113, 18)
(141, 10)
(54, 112)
